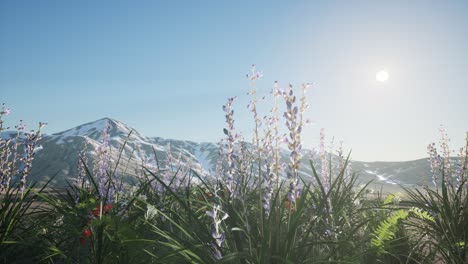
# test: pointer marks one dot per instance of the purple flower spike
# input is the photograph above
(102, 165)
(5, 111)
(324, 162)
(294, 123)
(217, 234)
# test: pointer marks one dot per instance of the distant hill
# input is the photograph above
(59, 156)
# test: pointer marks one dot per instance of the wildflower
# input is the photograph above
(12, 162)
(87, 233)
(217, 234)
(447, 164)
(441, 162)
(462, 164)
(294, 124)
(151, 212)
(102, 165)
(435, 161)
(107, 208)
(231, 138)
(254, 75)
(340, 157)
(268, 179)
(97, 211)
(288, 203)
(325, 173)
(20, 126)
(32, 138)
(81, 170)
(264, 146)
(277, 165)
(5, 111)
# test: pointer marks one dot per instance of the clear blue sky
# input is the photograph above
(166, 67)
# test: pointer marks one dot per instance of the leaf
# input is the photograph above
(386, 230)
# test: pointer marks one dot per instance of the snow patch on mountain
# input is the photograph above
(202, 158)
(381, 177)
(84, 130)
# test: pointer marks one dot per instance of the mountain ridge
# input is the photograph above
(59, 154)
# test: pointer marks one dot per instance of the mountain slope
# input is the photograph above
(59, 156)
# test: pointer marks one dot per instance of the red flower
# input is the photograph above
(97, 211)
(288, 204)
(107, 209)
(87, 233)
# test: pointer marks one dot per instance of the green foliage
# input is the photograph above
(147, 225)
(387, 230)
(421, 214)
(17, 216)
(441, 221)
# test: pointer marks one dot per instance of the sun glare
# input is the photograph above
(381, 76)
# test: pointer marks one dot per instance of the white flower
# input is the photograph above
(151, 212)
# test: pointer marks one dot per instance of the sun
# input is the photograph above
(382, 76)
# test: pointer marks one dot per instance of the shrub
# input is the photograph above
(441, 218)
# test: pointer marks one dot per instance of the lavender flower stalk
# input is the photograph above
(271, 143)
(8, 154)
(262, 151)
(294, 123)
(435, 162)
(10, 157)
(273, 124)
(32, 138)
(252, 106)
(447, 164)
(325, 173)
(103, 164)
(269, 176)
(3, 112)
(443, 163)
(230, 144)
(339, 153)
(217, 233)
(462, 163)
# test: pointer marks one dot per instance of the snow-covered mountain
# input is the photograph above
(59, 152)
(58, 156)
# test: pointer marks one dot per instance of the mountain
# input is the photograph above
(58, 155)
(392, 174)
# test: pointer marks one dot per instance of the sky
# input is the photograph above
(166, 67)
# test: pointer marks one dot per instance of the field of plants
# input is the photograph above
(255, 209)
